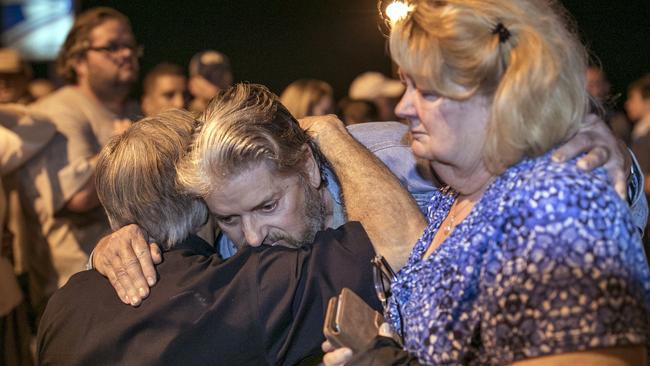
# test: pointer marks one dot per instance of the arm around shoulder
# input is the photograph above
(372, 194)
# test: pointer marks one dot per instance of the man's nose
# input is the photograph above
(254, 231)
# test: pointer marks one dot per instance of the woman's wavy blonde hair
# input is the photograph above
(536, 76)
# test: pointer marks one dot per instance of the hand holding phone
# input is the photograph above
(350, 322)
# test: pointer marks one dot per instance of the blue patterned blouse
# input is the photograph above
(548, 261)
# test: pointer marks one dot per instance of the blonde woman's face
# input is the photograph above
(445, 131)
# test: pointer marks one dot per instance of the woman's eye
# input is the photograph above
(429, 95)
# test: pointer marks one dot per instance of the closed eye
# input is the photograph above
(429, 95)
(226, 220)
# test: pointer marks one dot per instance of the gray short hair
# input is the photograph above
(136, 179)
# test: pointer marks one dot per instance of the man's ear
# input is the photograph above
(311, 167)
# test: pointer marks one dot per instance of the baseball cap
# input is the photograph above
(372, 84)
(212, 66)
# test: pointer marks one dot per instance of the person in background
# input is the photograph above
(99, 62)
(357, 111)
(308, 97)
(15, 75)
(164, 87)
(637, 107)
(376, 88)
(209, 72)
(598, 88)
(21, 136)
(527, 259)
(39, 88)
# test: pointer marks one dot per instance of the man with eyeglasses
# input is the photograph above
(99, 62)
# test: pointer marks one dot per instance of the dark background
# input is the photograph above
(274, 42)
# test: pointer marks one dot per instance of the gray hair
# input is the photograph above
(136, 179)
(245, 125)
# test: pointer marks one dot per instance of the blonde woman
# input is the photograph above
(525, 261)
(308, 97)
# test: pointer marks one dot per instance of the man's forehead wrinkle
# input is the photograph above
(246, 191)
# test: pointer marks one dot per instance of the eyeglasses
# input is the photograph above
(113, 48)
(383, 276)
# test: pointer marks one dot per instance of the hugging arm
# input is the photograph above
(372, 194)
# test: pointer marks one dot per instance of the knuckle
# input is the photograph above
(119, 274)
(131, 263)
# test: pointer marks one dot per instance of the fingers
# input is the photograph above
(619, 179)
(126, 259)
(118, 278)
(315, 125)
(327, 346)
(337, 357)
(575, 146)
(143, 251)
(112, 278)
(121, 293)
(131, 275)
(385, 331)
(596, 157)
(602, 149)
(156, 255)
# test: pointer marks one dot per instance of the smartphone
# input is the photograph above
(350, 322)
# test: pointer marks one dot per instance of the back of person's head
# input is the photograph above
(642, 85)
(373, 85)
(302, 97)
(15, 74)
(597, 83)
(213, 66)
(243, 126)
(520, 52)
(136, 179)
(357, 111)
(162, 69)
(637, 104)
(78, 39)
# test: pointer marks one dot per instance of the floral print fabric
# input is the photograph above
(548, 261)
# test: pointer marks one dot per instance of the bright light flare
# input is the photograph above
(397, 10)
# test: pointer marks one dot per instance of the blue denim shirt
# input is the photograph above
(387, 141)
